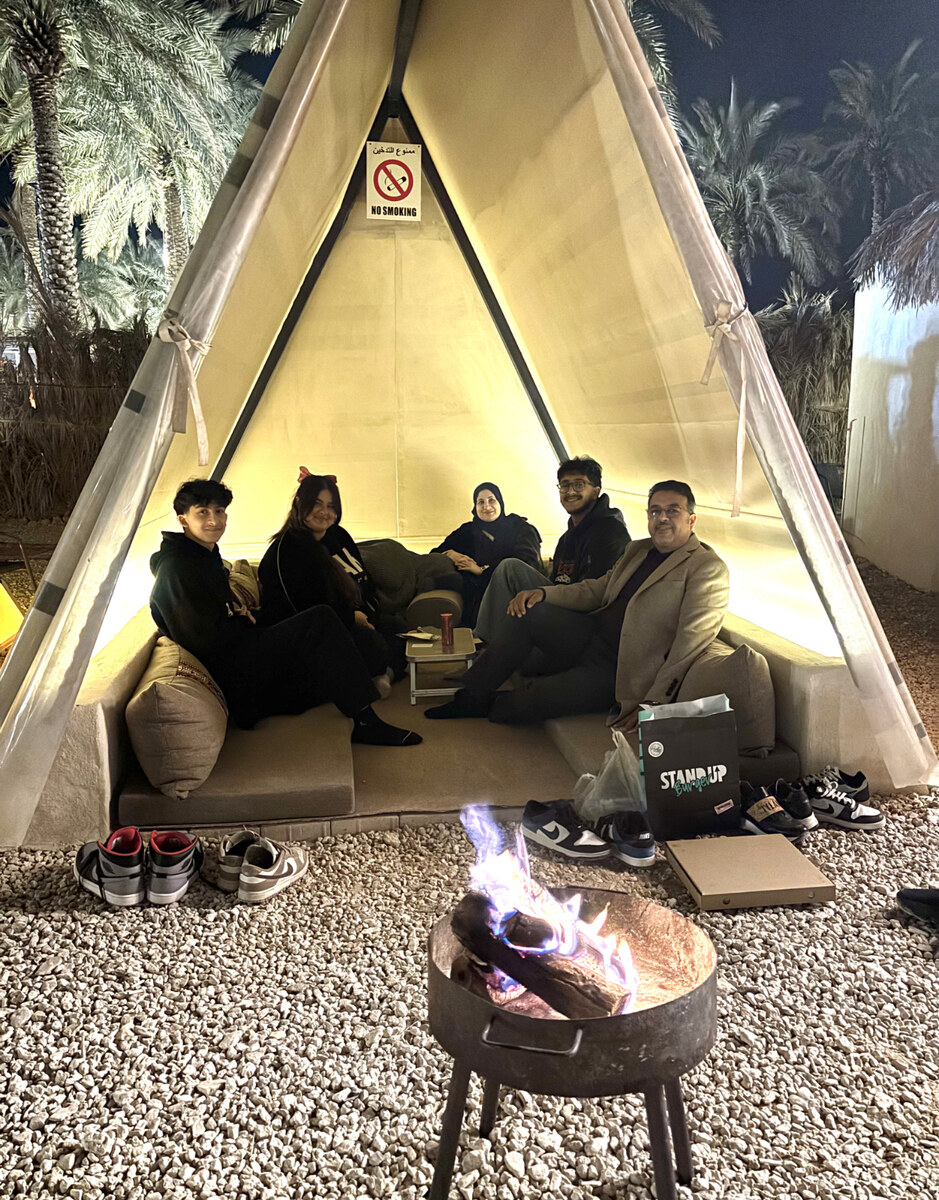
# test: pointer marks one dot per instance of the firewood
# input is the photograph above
(469, 974)
(576, 986)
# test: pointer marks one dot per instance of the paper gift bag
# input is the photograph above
(688, 761)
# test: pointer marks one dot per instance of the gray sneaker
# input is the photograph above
(231, 856)
(268, 868)
(175, 859)
(113, 870)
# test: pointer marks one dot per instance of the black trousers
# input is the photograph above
(307, 660)
(381, 647)
(578, 669)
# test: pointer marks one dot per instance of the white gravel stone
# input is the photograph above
(210, 1049)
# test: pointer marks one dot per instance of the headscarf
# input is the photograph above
(498, 495)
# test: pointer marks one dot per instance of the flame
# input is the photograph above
(503, 875)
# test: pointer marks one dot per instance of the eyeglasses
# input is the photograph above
(574, 485)
(671, 512)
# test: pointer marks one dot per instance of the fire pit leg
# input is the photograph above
(487, 1117)
(684, 1168)
(663, 1167)
(450, 1133)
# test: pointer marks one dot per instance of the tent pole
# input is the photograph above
(408, 13)
(553, 434)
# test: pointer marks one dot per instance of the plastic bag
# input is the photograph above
(707, 706)
(615, 787)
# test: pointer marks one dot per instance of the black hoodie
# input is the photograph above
(192, 602)
(297, 572)
(589, 549)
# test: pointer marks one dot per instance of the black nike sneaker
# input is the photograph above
(629, 836)
(793, 800)
(761, 812)
(558, 827)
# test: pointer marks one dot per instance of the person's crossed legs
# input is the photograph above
(307, 660)
(583, 678)
(509, 578)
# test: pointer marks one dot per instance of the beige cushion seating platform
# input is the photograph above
(299, 772)
(285, 769)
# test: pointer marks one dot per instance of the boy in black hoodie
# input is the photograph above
(287, 668)
(595, 538)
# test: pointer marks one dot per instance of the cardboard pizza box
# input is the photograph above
(750, 871)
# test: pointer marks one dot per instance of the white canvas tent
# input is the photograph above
(555, 297)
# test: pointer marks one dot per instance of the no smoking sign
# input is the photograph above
(392, 181)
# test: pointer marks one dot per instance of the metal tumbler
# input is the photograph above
(446, 631)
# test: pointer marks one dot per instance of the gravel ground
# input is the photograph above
(910, 619)
(282, 1051)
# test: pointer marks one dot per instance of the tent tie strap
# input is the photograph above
(171, 331)
(722, 327)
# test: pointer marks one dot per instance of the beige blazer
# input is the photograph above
(674, 616)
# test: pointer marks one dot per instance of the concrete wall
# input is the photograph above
(891, 495)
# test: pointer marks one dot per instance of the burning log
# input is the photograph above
(577, 985)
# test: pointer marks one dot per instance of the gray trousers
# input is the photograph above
(509, 578)
(582, 667)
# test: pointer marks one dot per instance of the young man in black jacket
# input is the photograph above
(307, 660)
(595, 538)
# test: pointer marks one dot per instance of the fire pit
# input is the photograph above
(509, 1036)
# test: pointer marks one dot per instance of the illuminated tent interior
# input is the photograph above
(554, 299)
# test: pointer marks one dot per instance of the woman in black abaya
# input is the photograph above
(479, 545)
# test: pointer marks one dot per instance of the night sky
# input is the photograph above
(777, 49)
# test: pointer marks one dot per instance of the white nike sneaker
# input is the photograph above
(557, 826)
(832, 806)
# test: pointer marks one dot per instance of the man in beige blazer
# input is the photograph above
(625, 639)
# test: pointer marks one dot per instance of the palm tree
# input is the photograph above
(277, 21)
(118, 293)
(651, 35)
(883, 129)
(904, 252)
(146, 154)
(34, 39)
(128, 290)
(808, 339)
(761, 188)
(14, 306)
(153, 66)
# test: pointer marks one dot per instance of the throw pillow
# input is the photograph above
(177, 719)
(243, 581)
(743, 677)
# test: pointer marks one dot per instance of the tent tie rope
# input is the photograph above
(720, 328)
(172, 332)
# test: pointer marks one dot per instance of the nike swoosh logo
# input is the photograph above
(554, 830)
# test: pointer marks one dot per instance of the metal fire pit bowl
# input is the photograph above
(671, 1028)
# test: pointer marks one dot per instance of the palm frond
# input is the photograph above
(808, 339)
(904, 253)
